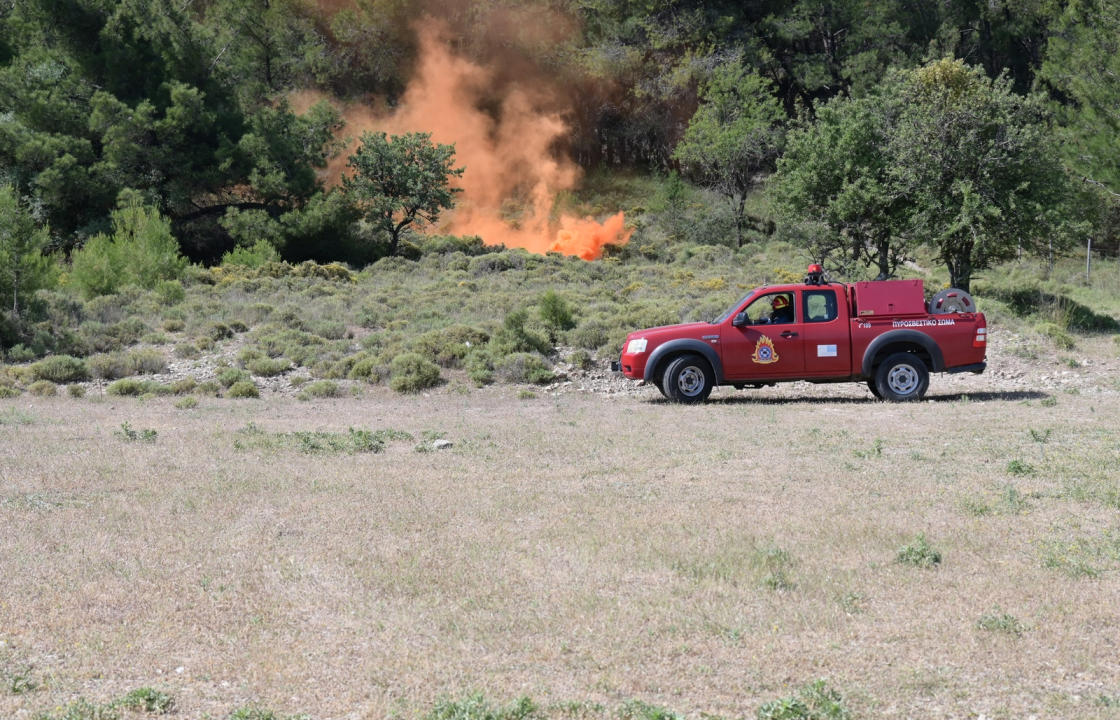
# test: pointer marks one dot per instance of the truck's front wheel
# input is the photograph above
(902, 376)
(688, 379)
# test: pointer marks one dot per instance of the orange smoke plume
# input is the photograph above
(513, 172)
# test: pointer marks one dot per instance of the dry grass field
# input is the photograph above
(583, 550)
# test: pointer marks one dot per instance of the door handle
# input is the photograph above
(789, 334)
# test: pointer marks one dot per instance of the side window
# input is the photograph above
(772, 309)
(820, 305)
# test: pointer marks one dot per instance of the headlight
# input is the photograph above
(636, 346)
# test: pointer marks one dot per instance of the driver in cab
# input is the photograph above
(781, 309)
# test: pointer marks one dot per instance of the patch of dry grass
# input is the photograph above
(576, 549)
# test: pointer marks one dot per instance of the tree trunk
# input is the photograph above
(883, 249)
(15, 290)
(740, 212)
(960, 273)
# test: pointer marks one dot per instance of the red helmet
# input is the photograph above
(779, 302)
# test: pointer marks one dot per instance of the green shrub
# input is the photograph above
(448, 346)
(514, 336)
(366, 367)
(480, 367)
(76, 391)
(268, 367)
(581, 359)
(523, 367)
(184, 386)
(411, 372)
(148, 361)
(243, 389)
(61, 369)
(320, 389)
(219, 331)
(247, 355)
(7, 391)
(142, 251)
(173, 325)
(209, 388)
(330, 329)
(919, 553)
(135, 387)
(109, 366)
(556, 314)
(188, 403)
(101, 337)
(20, 353)
(186, 351)
(43, 388)
(256, 255)
(228, 376)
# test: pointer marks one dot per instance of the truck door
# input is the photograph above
(768, 344)
(824, 336)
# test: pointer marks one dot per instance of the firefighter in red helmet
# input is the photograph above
(781, 309)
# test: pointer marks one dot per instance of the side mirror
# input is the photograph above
(740, 319)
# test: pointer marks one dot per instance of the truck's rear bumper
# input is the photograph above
(975, 368)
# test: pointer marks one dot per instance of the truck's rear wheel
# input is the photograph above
(688, 379)
(902, 376)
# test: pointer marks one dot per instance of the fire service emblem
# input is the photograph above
(764, 352)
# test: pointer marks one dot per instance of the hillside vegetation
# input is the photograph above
(136, 137)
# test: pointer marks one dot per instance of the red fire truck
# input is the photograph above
(884, 333)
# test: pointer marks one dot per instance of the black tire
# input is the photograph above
(902, 377)
(874, 388)
(688, 379)
(659, 381)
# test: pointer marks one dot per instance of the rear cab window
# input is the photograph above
(819, 305)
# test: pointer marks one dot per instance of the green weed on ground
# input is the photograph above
(352, 441)
(919, 553)
(815, 701)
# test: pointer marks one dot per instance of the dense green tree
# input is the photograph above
(977, 169)
(1082, 70)
(401, 181)
(24, 268)
(132, 94)
(372, 48)
(267, 47)
(733, 136)
(836, 171)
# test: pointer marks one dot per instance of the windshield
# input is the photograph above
(727, 313)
